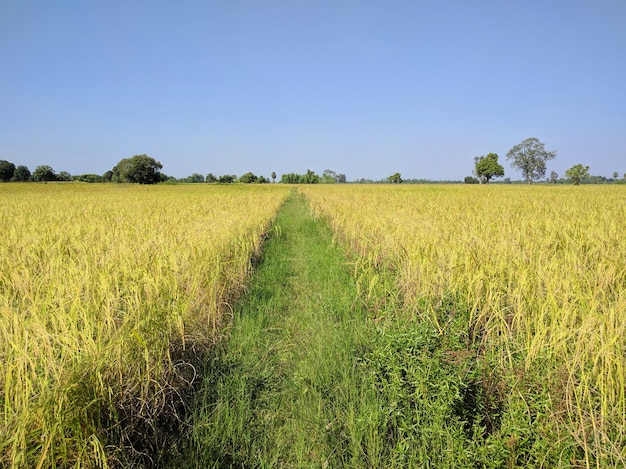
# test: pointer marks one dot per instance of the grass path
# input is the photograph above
(308, 379)
(284, 390)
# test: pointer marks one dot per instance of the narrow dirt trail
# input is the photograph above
(286, 391)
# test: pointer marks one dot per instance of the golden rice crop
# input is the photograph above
(106, 294)
(541, 268)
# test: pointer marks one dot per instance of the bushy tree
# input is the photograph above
(64, 176)
(530, 158)
(88, 178)
(210, 178)
(7, 170)
(471, 180)
(577, 173)
(21, 174)
(195, 178)
(227, 178)
(329, 177)
(139, 169)
(292, 178)
(273, 176)
(44, 173)
(395, 178)
(248, 178)
(310, 177)
(487, 167)
(554, 176)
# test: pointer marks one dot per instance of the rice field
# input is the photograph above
(541, 272)
(109, 295)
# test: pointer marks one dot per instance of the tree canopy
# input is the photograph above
(395, 178)
(487, 167)
(530, 158)
(577, 173)
(21, 174)
(44, 173)
(7, 170)
(139, 169)
(248, 178)
(309, 178)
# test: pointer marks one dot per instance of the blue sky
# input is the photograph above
(364, 88)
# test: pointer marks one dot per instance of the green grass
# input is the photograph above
(320, 370)
(284, 391)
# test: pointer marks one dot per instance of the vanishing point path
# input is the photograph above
(286, 389)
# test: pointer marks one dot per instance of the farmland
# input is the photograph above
(108, 294)
(385, 326)
(539, 275)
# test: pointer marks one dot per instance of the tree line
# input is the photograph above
(142, 169)
(530, 157)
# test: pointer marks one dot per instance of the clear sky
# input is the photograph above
(365, 88)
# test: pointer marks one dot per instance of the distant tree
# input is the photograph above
(44, 173)
(471, 180)
(195, 178)
(487, 167)
(227, 178)
(395, 178)
(262, 180)
(7, 170)
(530, 158)
(292, 178)
(248, 178)
(615, 175)
(168, 179)
(139, 169)
(88, 178)
(107, 176)
(310, 177)
(595, 179)
(64, 176)
(329, 177)
(273, 176)
(341, 178)
(554, 176)
(21, 174)
(577, 173)
(210, 178)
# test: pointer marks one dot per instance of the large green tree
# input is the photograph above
(139, 169)
(7, 170)
(44, 173)
(530, 158)
(21, 174)
(248, 178)
(577, 173)
(487, 167)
